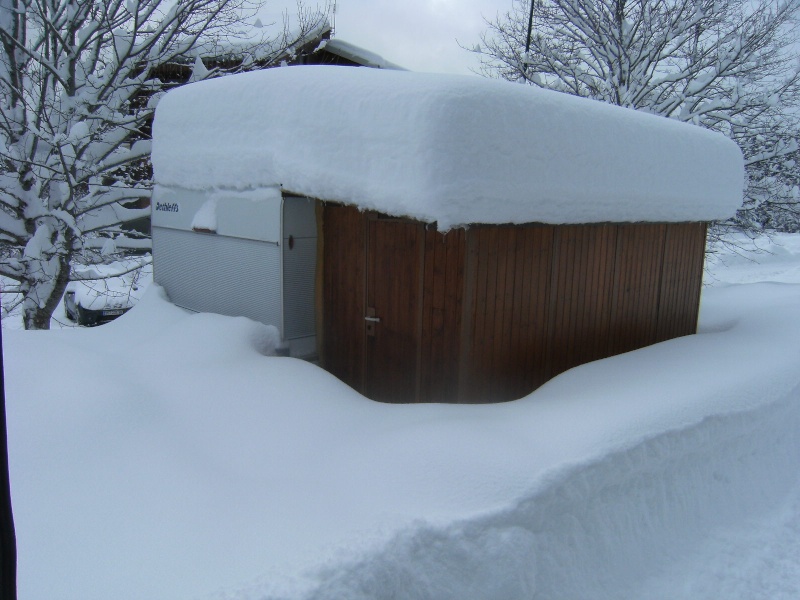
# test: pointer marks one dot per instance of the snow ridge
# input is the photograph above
(599, 530)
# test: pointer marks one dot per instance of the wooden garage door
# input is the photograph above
(371, 305)
(392, 325)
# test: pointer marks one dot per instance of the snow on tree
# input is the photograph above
(729, 65)
(77, 94)
(772, 199)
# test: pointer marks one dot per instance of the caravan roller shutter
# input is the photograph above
(215, 273)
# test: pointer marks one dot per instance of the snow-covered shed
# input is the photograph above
(471, 238)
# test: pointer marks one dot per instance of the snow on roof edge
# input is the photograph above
(359, 55)
(450, 149)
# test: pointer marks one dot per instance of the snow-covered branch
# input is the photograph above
(76, 78)
(91, 275)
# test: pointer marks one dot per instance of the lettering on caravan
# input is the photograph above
(168, 207)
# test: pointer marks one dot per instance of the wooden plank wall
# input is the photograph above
(506, 308)
(343, 271)
(580, 296)
(681, 281)
(543, 299)
(635, 287)
(504, 346)
(394, 260)
(443, 282)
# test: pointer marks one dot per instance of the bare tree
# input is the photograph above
(729, 65)
(78, 87)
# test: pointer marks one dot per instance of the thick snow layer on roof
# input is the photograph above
(358, 54)
(446, 148)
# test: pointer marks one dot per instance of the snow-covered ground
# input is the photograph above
(166, 456)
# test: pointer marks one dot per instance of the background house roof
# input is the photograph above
(442, 148)
(357, 54)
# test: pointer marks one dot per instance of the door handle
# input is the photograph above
(371, 319)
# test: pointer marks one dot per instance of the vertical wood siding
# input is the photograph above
(394, 263)
(681, 280)
(441, 315)
(506, 311)
(499, 310)
(636, 286)
(580, 296)
(343, 294)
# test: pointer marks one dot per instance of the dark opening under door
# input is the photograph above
(392, 324)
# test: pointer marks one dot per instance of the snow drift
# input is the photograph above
(166, 456)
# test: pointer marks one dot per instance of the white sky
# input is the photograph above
(421, 35)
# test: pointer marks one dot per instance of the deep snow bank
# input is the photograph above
(164, 456)
(644, 463)
(599, 530)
